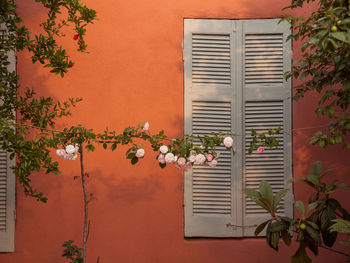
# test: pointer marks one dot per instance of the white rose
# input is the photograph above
(70, 148)
(70, 156)
(140, 153)
(60, 152)
(192, 158)
(181, 161)
(163, 149)
(200, 159)
(169, 158)
(145, 127)
(228, 142)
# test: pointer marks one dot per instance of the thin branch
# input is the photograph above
(86, 202)
(88, 232)
(336, 251)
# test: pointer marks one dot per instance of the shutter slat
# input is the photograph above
(260, 49)
(205, 179)
(207, 50)
(259, 167)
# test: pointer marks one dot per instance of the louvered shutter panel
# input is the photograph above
(209, 63)
(7, 187)
(234, 82)
(266, 104)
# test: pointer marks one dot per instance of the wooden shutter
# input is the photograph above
(234, 82)
(267, 104)
(7, 187)
(210, 104)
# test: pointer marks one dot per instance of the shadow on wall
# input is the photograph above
(128, 190)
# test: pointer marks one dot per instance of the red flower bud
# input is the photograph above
(76, 36)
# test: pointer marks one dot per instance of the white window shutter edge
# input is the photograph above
(7, 187)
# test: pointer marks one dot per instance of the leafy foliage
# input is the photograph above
(31, 148)
(265, 138)
(318, 218)
(325, 65)
(72, 252)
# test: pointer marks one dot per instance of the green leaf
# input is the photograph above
(329, 238)
(314, 234)
(261, 227)
(265, 204)
(342, 36)
(278, 198)
(278, 226)
(342, 226)
(310, 207)
(130, 155)
(134, 160)
(275, 237)
(344, 186)
(314, 179)
(251, 193)
(300, 206)
(286, 237)
(316, 168)
(162, 165)
(266, 192)
(312, 224)
(324, 220)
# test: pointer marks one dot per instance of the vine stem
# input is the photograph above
(86, 202)
(336, 251)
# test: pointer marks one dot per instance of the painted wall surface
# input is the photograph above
(134, 73)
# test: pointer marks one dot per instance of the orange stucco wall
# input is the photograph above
(134, 73)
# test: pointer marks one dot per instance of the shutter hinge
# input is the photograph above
(14, 214)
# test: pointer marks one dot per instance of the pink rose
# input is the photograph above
(209, 157)
(200, 159)
(192, 158)
(228, 142)
(181, 161)
(161, 158)
(261, 149)
(187, 166)
(213, 163)
(140, 153)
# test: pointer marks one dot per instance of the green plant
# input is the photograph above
(325, 65)
(72, 252)
(316, 221)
